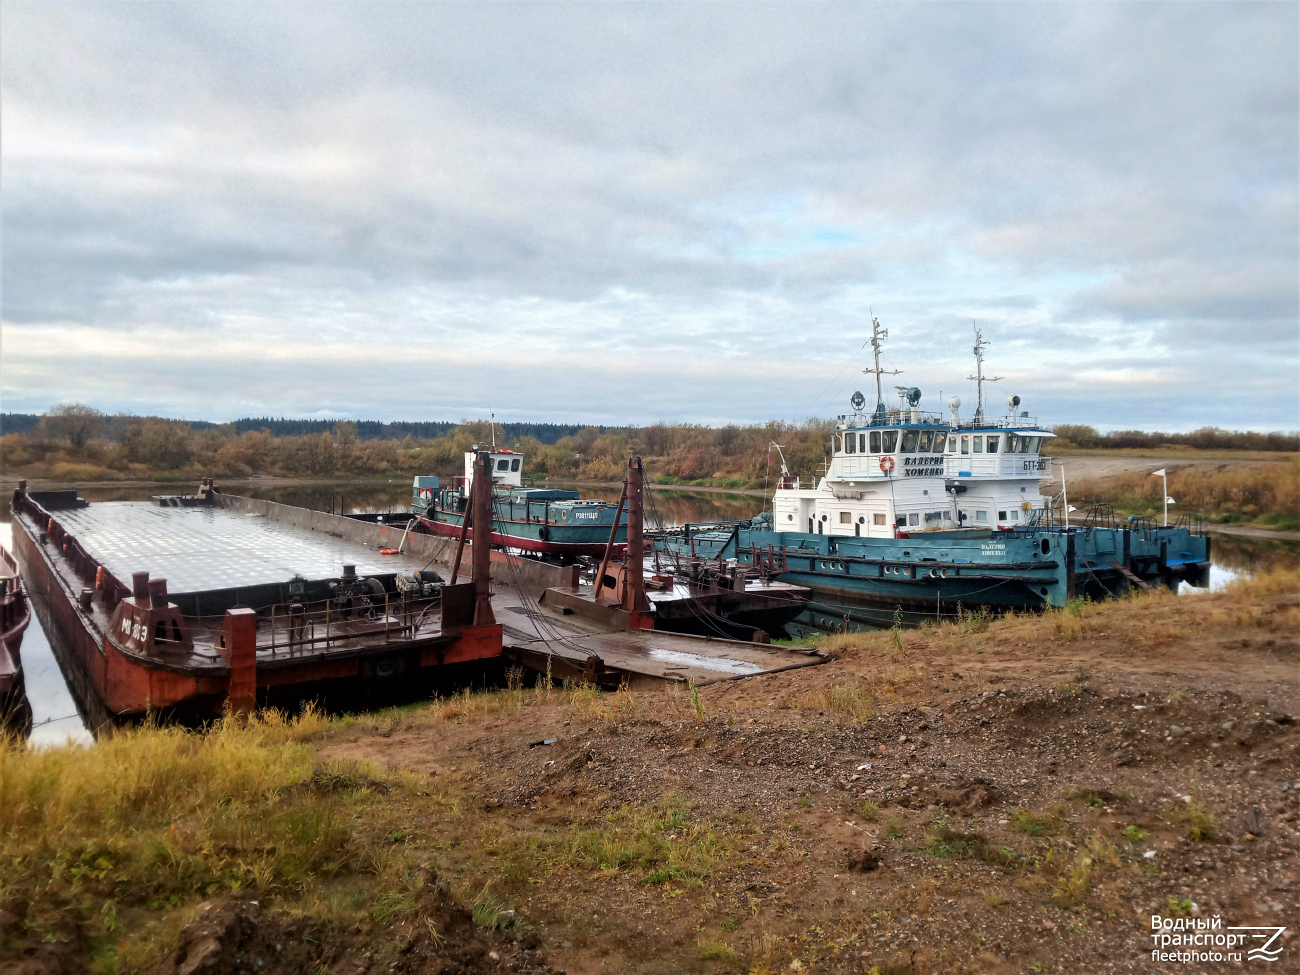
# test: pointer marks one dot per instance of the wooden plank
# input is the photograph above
(1127, 573)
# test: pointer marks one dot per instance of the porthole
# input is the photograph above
(789, 517)
(862, 519)
(1046, 547)
(1043, 591)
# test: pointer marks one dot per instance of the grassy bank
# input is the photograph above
(348, 827)
(1267, 494)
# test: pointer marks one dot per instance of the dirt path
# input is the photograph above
(1250, 531)
(1088, 466)
(1013, 797)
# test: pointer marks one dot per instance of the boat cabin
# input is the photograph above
(507, 470)
(992, 465)
(885, 476)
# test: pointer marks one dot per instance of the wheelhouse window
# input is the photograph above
(888, 441)
(514, 464)
(965, 443)
(1012, 443)
(851, 444)
(909, 441)
(977, 444)
(862, 443)
(1034, 443)
(503, 464)
(952, 445)
(875, 441)
(993, 444)
(926, 442)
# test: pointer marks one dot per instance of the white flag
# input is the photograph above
(1157, 473)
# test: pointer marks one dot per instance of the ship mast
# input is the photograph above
(979, 377)
(878, 336)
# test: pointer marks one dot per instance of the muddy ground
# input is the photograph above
(1012, 799)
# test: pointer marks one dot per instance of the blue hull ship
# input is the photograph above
(871, 582)
(921, 517)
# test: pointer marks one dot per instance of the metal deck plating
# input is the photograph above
(205, 549)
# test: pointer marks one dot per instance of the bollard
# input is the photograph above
(239, 647)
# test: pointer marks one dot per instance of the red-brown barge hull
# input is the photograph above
(130, 683)
(15, 615)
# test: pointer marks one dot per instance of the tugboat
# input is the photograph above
(892, 532)
(15, 615)
(540, 521)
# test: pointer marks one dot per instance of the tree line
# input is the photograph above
(1206, 438)
(74, 441)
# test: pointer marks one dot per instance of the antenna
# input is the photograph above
(494, 430)
(979, 377)
(878, 336)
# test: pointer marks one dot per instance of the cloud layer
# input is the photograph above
(624, 213)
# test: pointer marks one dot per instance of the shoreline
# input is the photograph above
(9, 483)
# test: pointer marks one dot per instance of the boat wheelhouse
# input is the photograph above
(993, 465)
(885, 476)
(886, 471)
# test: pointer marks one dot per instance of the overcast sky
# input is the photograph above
(630, 212)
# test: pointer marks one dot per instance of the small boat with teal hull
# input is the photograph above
(542, 521)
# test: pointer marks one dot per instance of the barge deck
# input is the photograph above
(250, 604)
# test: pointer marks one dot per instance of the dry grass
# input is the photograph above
(1075, 877)
(1243, 492)
(139, 828)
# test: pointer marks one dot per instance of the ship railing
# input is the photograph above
(1194, 523)
(893, 417)
(295, 627)
(1099, 514)
(999, 423)
(88, 569)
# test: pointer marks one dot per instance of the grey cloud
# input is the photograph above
(733, 180)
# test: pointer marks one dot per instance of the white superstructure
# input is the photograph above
(885, 475)
(992, 465)
(506, 469)
(899, 470)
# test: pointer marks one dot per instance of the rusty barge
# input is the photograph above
(15, 615)
(194, 606)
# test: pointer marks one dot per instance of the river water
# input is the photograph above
(56, 720)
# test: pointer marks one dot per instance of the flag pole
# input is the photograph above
(1065, 501)
(1164, 485)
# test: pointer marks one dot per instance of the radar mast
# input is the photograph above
(979, 377)
(878, 336)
